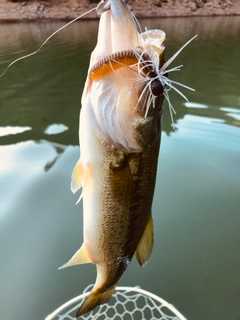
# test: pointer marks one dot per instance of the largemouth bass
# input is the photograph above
(120, 132)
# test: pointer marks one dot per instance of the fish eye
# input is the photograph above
(157, 87)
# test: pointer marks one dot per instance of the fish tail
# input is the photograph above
(95, 299)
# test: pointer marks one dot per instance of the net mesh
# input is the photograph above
(126, 303)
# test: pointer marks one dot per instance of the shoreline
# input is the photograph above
(56, 10)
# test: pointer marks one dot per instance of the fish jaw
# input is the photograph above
(113, 100)
(117, 31)
(123, 27)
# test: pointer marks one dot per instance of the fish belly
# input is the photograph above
(118, 197)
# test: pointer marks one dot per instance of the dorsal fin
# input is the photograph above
(80, 257)
(145, 245)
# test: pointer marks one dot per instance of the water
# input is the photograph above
(196, 260)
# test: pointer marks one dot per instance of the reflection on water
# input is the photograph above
(5, 131)
(59, 149)
(196, 261)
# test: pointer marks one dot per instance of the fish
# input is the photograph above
(119, 134)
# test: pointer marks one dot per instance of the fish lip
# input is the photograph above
(102, 7)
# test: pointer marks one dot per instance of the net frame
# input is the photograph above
(153, 302)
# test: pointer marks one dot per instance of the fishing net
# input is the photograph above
(126, 303)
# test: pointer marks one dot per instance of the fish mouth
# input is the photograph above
(105, 6)
(130, 59)
(124, 76)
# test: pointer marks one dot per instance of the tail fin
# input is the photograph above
(94, 300)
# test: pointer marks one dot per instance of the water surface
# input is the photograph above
(196, 259)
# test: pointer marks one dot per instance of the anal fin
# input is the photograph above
(80, 257)
(145, 245)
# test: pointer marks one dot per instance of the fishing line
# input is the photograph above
(53, 34)
(168, 62)
(136, 21)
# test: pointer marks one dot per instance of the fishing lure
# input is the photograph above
(128, 59)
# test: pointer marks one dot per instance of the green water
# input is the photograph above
(196, 259)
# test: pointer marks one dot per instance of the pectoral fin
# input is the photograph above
(80, 257)
(145, 245)
(80, 178)
(77, 176)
